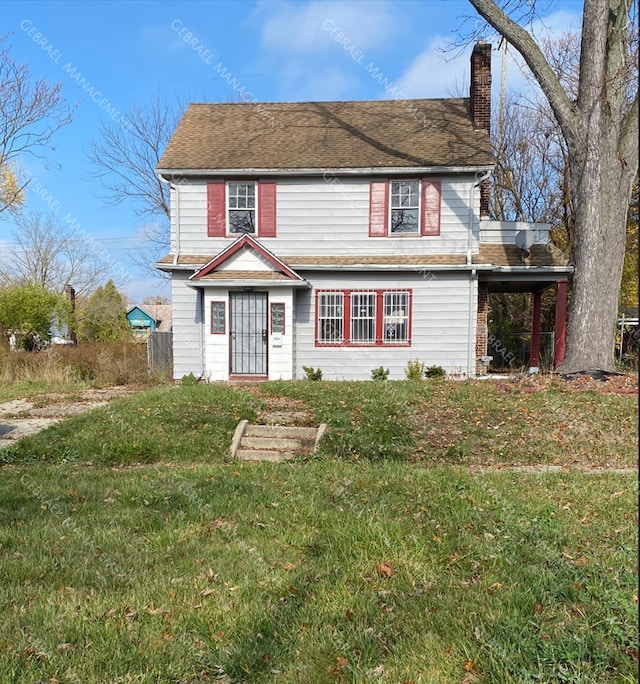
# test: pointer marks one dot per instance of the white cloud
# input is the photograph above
(433, 73)
(324, 83)
(315, 26)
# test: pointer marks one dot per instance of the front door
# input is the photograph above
(248, 332)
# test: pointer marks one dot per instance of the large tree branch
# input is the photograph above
(562, 106)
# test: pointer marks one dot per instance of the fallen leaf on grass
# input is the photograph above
(385, 570)
(468, 665)
(66, 647)
(289, 566)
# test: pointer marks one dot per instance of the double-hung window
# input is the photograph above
(330, 318)
(405, 207)
(242, 207)
(395, 324)
(363, 317)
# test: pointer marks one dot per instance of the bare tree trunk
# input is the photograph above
(601, 131)
(601, 200)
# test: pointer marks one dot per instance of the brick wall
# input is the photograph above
(482, 332)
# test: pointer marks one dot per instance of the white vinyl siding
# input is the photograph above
(440, 320)
(187, 328)
(331, 217)
(504, 232)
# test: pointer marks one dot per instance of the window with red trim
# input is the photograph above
(363, 318)
(236, 208)
(404, 207)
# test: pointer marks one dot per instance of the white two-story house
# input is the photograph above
(342, 236)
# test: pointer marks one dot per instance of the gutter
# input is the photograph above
(169, 175)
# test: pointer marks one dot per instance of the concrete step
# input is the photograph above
(280, 431)
(264, 455)
(274, 444)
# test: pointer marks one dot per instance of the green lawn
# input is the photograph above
(133, 550)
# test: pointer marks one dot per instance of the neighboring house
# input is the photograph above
(343, 236)
(150, 318)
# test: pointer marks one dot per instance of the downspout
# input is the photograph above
(203, 366)
(473, 277)
(478, 182)
(176, 256)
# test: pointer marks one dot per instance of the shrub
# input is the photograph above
(98, 365)
(414, 370)
(380, 373)
(188, 380)
(312, 373)
(435, 372)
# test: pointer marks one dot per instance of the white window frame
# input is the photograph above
(330, 300)
(417, 207)
(359, 299)
(230, 209)
(392, 315)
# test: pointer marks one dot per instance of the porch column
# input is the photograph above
(535, 333)
(561, 322)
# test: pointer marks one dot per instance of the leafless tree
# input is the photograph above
(48, 254)
(124, 161)
(125, 158)
(600, 130)
(30, 114)
(156, 299)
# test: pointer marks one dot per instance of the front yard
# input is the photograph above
(407, 550)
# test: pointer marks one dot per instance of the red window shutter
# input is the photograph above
(267, 209)
(216, 210)
(378, 208)
(430, 208)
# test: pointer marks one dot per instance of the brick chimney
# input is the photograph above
(480, 98)
(481, 86)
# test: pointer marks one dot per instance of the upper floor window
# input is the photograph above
(237, 208)
(241, 204)
(405, 206)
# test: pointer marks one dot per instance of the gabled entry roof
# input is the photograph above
(245, 260)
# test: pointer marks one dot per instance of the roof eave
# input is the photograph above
(247, 282)
(169, 175)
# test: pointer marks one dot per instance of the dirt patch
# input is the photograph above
(285, 411)
(22, 417)
(603, 383)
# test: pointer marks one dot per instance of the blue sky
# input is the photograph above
(128, 53)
